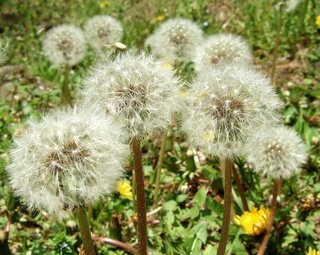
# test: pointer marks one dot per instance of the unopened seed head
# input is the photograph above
(70, 158)
(103, 31)
(64, 45)
(136, 90)
(222, 49)
(277, 152)
(175, 40)
(225, 106)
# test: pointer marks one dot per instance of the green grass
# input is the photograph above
(190, 219)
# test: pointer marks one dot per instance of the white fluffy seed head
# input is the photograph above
(175, 40)
(70, 158)
(222, 49)
(103, 31)
(225, 106)
(277, 152)
(64, 45)
(138, 91)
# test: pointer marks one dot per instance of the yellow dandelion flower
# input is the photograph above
(255, 222)
(318, 21)
(313, 252)
(160, 18)
(104, 3)
(125, 190)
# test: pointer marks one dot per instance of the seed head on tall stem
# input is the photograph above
(276, 152)
(225, 106)
(140, 94)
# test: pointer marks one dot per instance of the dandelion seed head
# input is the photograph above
(136, 90)
(175, 40)
(103, 31)
(64, 45)
(222, 49)
(70, 158)
(277, 152)
(225, 106)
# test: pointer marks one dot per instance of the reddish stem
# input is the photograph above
(266, 237)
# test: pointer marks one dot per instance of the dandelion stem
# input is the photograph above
(158, 170)
(223, 169)
(141, 201)
(66, 98)
(227, 165)
(276, 43)
(241, 189)
(266, 237)
(124, 246)
(85, 232)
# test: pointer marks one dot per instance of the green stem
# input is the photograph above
(223, 166)
(85, 232)
(141, 200)
(227, 165)
(66, 98)
(265, 240)
(240, 189)
(158, 170)
(276, 43)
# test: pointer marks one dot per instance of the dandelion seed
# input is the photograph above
(103, 31)
(221, 49)
(225, 106)
(255, 222)
(277, 152)
(64, 45)
(69, 159)
(175, 40)
(136, 90)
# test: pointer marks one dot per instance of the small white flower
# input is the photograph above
(70, 158)
(222, 49)
(277, 152)
(225, 106)
(175, 40)
(138, 91)
(64, 45)
(103, 31)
